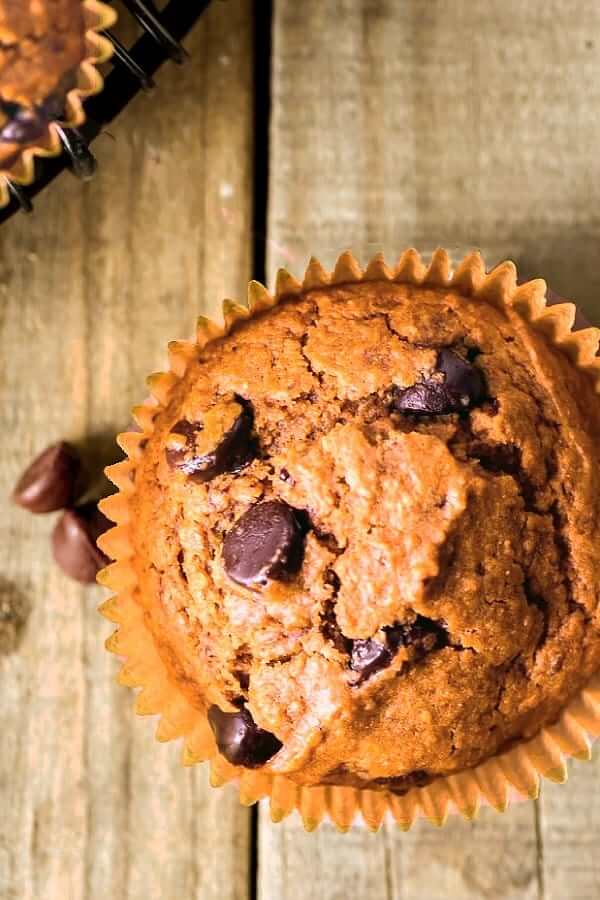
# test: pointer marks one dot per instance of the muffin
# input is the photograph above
(43, 44)
(360, 527)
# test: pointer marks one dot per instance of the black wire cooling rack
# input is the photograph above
(132, 71)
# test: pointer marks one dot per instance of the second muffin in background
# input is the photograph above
(48, 53)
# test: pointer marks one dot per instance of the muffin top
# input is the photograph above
(41, 45)
(366, 532)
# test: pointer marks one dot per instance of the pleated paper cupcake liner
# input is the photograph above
(516, 771)
(98, 49)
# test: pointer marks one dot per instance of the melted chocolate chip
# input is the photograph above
(425, 398)
(222, 442)
(48, 483)
(455, 386)
(463, 380)
(266, 542)
(25, 126)
(240, 740)
(368, 656)
(74, 542)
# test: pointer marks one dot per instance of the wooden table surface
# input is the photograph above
(456, 122)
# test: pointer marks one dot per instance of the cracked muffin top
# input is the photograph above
(368, 525)
(42, 43)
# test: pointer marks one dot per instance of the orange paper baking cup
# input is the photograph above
(494, 781)
(98, 49)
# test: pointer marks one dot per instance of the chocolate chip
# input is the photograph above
(49, 482)
(240, 740)
(368, 656)
(221, 442)
(425, 398)
(25, 126)
(74, 542)
(463, 380)
(455, 386)
(266, 542)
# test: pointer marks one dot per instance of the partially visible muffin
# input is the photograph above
(42, 43)
(365, 532)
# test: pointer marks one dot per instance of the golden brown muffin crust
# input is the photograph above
(467, 541)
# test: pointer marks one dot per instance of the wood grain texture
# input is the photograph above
(91, 288)
(493, 858)
(569, 834)
(324, 864)
(454, 122)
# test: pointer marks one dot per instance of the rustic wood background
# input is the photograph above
(460, 122)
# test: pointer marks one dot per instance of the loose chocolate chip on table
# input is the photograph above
(74, 542)
(240, 740)
(266, 542)
(221, 442)
(48, 483)
(455, 386)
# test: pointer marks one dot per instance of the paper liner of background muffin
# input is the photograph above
(98, 49)
(516, 771)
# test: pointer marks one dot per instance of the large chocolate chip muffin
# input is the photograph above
(42, 43)
(365, 529)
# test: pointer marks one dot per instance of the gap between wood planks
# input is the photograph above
(262, 50)
(263, 24)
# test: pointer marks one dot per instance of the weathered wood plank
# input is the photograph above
(91, 288)
(449, 122)
(494, 857)
(458, 123)
(569, 831)
(294, 864)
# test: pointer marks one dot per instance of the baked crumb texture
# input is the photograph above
(48, 50)
(427, 595)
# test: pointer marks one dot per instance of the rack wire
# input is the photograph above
(132, 71)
